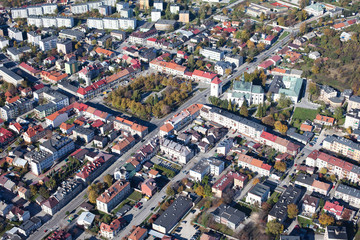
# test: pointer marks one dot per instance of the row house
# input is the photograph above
(254, 164)
(228, 181)
(348, 194)
(93, 169)
(311, 184)
(342, 169)
(279, 144)
(110, 231)
(123, 145)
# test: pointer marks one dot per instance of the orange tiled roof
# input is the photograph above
(166, 127)
(325, 119)
(104, 51)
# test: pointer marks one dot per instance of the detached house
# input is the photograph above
(33, 134)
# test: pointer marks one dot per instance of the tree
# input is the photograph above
(244, 110)
(303, 3)
(200, 191)
(51, 184)
(282, 128)
(339, 111)
(292, 210)
(326, 219)
(92, 195)
(313, 89)
(256, 181)
(108, 179)
(33, 190)
(280, 166)
(250, 44)
(228, 71)
(281, 21)
(268, 120)
(303, 28)
(170, 191)
(323, 171)
(274, 227)
(44, 192)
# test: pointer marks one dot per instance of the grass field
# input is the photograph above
(304, 113)
(284, 35)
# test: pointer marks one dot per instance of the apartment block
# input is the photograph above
(15, 109)
(212, 54)
(254, 164)
(48, 43)
(342, 146)
(113, 196)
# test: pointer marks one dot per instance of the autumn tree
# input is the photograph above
(108, 179)
(303, 28)
(250, 44)
(323, 170)
(313, 89)
(274, 227)
(280, 166)
(256, 181)
(170, 191)
(268, 120)
(281, 21)
(92, 195)
(282, 128)
(326, 219)
(292, 210)
(200, 191)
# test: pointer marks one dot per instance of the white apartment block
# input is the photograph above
(109, 2)
(96, 23)
(36, 21)
(352, 119)
(343, 146)
(15, 34)
(67, 22)
(48, 43)
(49, 22)
(94, 5)
(19, 13)
(348, 194)
(212, 54)
(33, 38)
(3, 42)
(159, 5)
(155, 15)
(49, 8)
(79, 8)
(121, 5)
(39, 161)
(111, 23)
(127, 23)
(174, 9)
(126, 13)
(35, 11)
(232, 121)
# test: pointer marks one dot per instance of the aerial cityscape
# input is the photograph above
(179, 120)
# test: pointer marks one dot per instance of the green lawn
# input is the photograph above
(284, 35)
(303, 222)
(126, 201)
(304, 113)
(135, 196)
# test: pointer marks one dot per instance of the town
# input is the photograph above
(210, 120)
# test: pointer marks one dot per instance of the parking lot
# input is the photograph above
(185, 230)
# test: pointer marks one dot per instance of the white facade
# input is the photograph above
(96, 23)
(213, 54)
(38, 166)
(57, 121)
(15, 34)
(174, 9)
(36, 21)
(159, 5)
(67, 22)
(352, 119)
(49, 8)
(155, 15)
(126, 13)
(127, 23)
(33, 38)
(111, 23)
(121, 5)
(79, 8)
(35, 11)
(3, 43)
(216, 89)
(49, 22)
(19, 13)
(48, 43)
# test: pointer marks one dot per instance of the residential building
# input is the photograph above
(39, 161)
(279, 144)
(167, 67)
(327, 93)
(258, 194)
(288, 86)
(121, 5)
(335, 233)
(342, 146)
(85, 134)
(254, 165)
(51, 96)
(227, 181)
(113, 196)
(71, 67)
(110, 231)
(15, 34)
(19, 13)
(15, 109)
(235, 60)
(64, 46)
(223, 68)
(310, 204)
(71, 34)
(225, 146)
(23, 192)
(175, 9)
(206, 166)
(86, 219)
(132, 127)
(324, 120)
(58, 146)
(105, 10)
(184, 16)
(334, 209)
(352, 119)
(158, 5)
(34, 133)
(353, 103)
(255, 10)
(246, 91)
(176, 151)
(10, 77)
(3, 42)
(144, 4)
(33, 38)
(334, 165)
(139, 233)
(232, 121)
(123, 145)
(149, 187)
(29, 226)
(311, 184)
(165, 25)
(126, 13)
(155, 15)
(292, 195)
(48, 43)
(302, 138)
(212, 54)
(172, 215)
(348, 194)
(228, 216)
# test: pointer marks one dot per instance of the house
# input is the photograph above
(153, 173)
(176, 151)
(324, 120)
(123, 145)
(223, 68)
(229, 216)
(17, 214)
(348, 194)
(258, 194)
(104, 52)
(314, 55)
(111, 230)
(29, 226)
(270, 39)
(254, 165)
(67, 128)
(172, 215)
(334, 209)
(16, 127)
(306, 126)
(148, 187)
(86, 219)
(310, 204)
(23, 192)
(227, 181)
(278, 143)
(34, 133)
(139, 233)
(113, 196)
(5, 208)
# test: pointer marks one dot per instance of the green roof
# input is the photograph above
(247, 87)
(294, 88)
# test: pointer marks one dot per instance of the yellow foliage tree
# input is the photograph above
(282, 128)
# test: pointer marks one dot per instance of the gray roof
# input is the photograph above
(205, 163)
(259, 189)
(355, 99)
(55, 143)
(291, 195)
(342, 140)
(45, 107)
(230, 214)
(84, 131)
(72, 33)
(344, 189)
(37, 156)
(304, 179)
(174, 213)
(336, 233)
(299, 137)
(164, 21)
(10, 73)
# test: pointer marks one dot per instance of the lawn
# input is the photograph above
(304, 113)
(135, 196)
(126, 201)
(284, 35)
(304, 222)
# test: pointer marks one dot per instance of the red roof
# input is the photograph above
(98, 123)
(334, 208)
(275, 58)
(216, 81)
(268, 136)
(38, 86)
(230, 29)
(28, 68)
(266, 64)
(196, 31)
(269, 38)
(151, 39)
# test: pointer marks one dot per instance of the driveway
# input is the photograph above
(187, 230)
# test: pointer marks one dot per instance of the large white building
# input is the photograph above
(19, 13)
(33, 38)
(111, 23)
(35, 11)
(15, 34)
(79, 8)
(246, 91)
(67, 22)
(44, 9)
(207, 166)
(352, 119)
(121, 5)
(258, 194)
(39, 161)
(155, 15)
(212, 54)
(113, 196)
(176, 151)
(10, 77)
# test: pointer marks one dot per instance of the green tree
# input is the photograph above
(244, 110)
(281, 21)
(92, 195)
(44, 192)
(338, 114)
(170, 191)
(313, 89)
(274, 227)
(282, 128)
(292, 211)
(323, 171)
